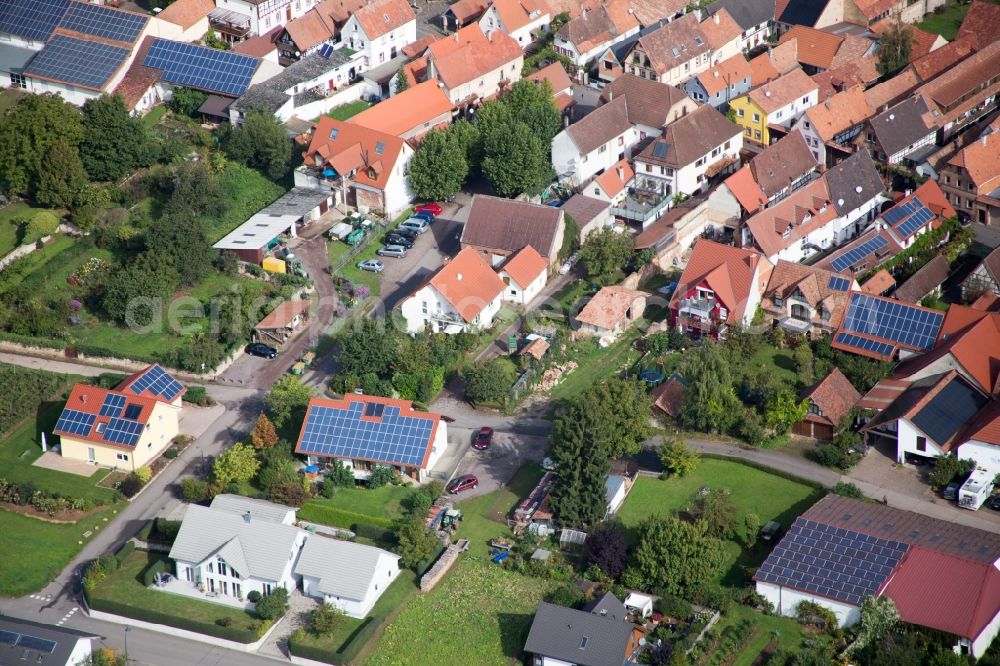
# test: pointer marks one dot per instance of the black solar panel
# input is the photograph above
(838, 283)
(326, 50)
(77, 61)
(832, 562)
(892, 321)
(132, 412)
(660, 150)
(949, 410)
(201, 67)
(34, 20)
(103, 22)
(343, 433)
(8, 637)
(860, 252)
(35, 643)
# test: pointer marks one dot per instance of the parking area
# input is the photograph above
(495, 466)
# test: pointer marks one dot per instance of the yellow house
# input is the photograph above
(778, 102)
(751, 118)
(123, 428)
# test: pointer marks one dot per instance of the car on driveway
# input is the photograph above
(425, 215)
(397, 251)
(432, 208)
(392, 238)
(402, 231)
(460, 483)
(372, 265)
(994, 502)
(950, 491)
(483, 438)
(415, 224)
(262, 350)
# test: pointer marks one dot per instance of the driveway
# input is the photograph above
(495, 466)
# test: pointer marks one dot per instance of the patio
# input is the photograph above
(187, 589)
(53, 460)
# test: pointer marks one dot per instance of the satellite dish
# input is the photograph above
(858, 189)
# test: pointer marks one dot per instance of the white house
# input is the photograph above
(380, 30)
(521, 19)
(258, 509)
(349, 576)
(259, 17)
(803, 224)
(982, 440)
(701, 145)
(363, 432)
(473, 65)
(594, 31)
(594, 144)
(523, 274)
(219, 553)
(837, 121)
(670, 54)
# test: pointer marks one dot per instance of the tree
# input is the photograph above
(182, 240)
(369, 347)
(186, 101)
(104, 657)
(578, 498)
(622, 406)
(114, 141)
(949, 468)
(784, 411)
(878, 617)
(237, 463)
(535, 106)
(261, 142)
(894, 46)
(677, 458)
(751, 529)
(42, 223)
(468, 138)
(490, 381)
(416, 544)
(288, 397)
(606, 252)
(62, 178)
(26, 132)
(847, 489)
(674, 556)
(718, 512)
(194, 490)
(438, 168)
(325, 619)
(341, 475)
(264, 435)
(803, 358)
(515, 160)
(606, 548)
(130, 294)
(709, 403)
(272, 606)
(571, 238)
(402, 80)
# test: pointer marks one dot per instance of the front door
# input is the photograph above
(91, 456)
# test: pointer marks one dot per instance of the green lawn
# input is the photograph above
(351, 270)
(947, 22)
(779, 361)
(8, 229)
(154, 115)
(246, 191)
(345, 111)
(384, 502)
(770, 496)
(40, 550)
(124, 586)
(23, 447)
(598, 363)
(38, 260)
(790, 633)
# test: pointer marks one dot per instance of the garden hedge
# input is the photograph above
(146, 530)
(157, 567)
(24, 391)
(374, 532)
(328, 515)
(236, 634)
(349, 652)
(125, 550)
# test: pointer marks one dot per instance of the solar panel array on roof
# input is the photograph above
(77, 61)
(27, 641)
(103, 22)
(907, 218)
(865, 344)
(893, 321)
(113, 404)
(123, 431)
(860, 252)
(954, 406)
(31, 19)
(201, 67)
(326, 50)
(838, 283)
(832, 562)
(73, 422)
(158, 382)
(132, 411)
(342, 433)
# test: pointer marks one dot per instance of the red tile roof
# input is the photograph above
(186, 13)
(89, 400)
(282, 316)
(834, 395)
(518, 13)
(802, 212)
(468, 283)
(669, 395)
(982, 23)
(407, 111)
(384, 16)
(473, 59)
(525, 266)
(726, 270)
(879, 283)
(354, 149)
(815, 47)
(840, 112)
(939, 60)
(259, 46)
(782, 91)
(556, 75)
(986, 426)
(730, 70)
(609, 305)
(616, 177)
(746, 190)
(981, 159)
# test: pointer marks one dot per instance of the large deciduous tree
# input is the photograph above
(370, 347)
(439, 167)
(490, 381)
(183, 241)
(515, 160)
(674, 556)
(134, 294)
(416, 544)
(27, 131)
(622, 406)
(606, 252)
(709, 403)
(287, 398)
(677, 458)
(261, 142)
(894, 47)
(114, 141)
(62, 179)
(237, 463)
(606, 548)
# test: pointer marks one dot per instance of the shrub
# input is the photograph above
(144, 474)
(167, 529)
(109, 562)
(809, 612)
(130, 486)
(157, 567)
(677, 458)
(238, 634)
(224, 622)
(170, 454)
(194, 490)
(273, 605)
(325, 619)
(341, 476)
(289, 493)
(94, 576)
(327, 489)
(847, 489)
(380, 476)
(254, 596)
(42, 223)
(197, 395)
(125, 550)
(374, 532)
(827, 455)
(146, 531)
(569, 596)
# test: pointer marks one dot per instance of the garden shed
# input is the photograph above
(282, 323)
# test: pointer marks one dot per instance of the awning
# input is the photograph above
(229, 16)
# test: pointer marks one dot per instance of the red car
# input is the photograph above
(460, 483)
(432, 208)
(483, 438)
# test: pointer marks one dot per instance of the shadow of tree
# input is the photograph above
(514, 629)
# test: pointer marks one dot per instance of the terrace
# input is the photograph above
(642, 206)
(231, 26)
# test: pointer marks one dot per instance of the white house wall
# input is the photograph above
(785, 600)
(491, 20)
(488, 84)
(906, 441)
(986, 636)
(514, 293)
(568, 162)
(378, 51)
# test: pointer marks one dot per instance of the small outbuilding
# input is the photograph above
(611, 311)
(282, 323)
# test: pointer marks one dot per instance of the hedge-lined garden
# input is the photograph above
(24, 391)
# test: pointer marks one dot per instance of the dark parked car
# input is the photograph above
(950, 491)
(262, 350)
(994, 502)
(425, 215)
(406, 233)
(483, 438)
(398, 239)
(770, 532)
(460, 483)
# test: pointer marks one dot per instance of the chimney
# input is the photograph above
(983, 139)
(489, 35)
(753, 260)
(246, 517)
(456, 38)
(621, 174)
(431, 69)
(715, 17)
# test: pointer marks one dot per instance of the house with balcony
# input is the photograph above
(463, 295)
(363, 432)
(671, 54)
(800, 226)
(379, 30)
(235, 20)
(806, 300)
(584, 38)
(772, 174)
(522, 20)
(779, 102)
(593, 145)
(365, 168)
(721, 286)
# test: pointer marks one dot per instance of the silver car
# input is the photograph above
(372, 265)
(397, 251)
(415, 224)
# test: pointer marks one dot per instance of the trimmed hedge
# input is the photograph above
(328, 515)
(770, 470)
(157, 567)
(32, 341)
(423, 567)
(349, 652)
(149, 615)
(146, 530)
(125, 550)
(374, 532)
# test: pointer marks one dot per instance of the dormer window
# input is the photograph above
(778, 300)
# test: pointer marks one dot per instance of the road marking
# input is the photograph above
(67, 616)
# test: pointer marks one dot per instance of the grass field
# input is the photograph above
(8, 228)
(384, 502)
(789, 633)
(780, 361)
(345, 111)
(246, 191)
(41, 549)
(598, 364)
(947, 22)
(752, 490)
